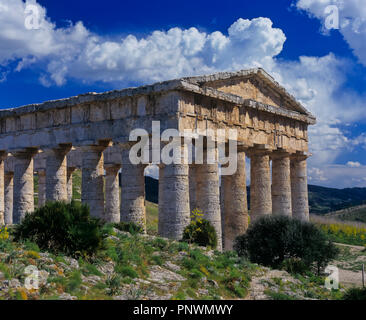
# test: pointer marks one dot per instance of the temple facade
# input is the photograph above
(91, 132)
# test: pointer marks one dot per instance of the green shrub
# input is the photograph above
(355, 294)
(200, 232)
(61, 227)
(272, 240)
(294, 266)
(130, 227)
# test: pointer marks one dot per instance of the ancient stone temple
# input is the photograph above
(91, 132)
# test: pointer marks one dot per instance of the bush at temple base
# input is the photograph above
(279, 241)
(200, 231)
(62, 228)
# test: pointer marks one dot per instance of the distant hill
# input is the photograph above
(357, 214)
(324, 200)
(321, 199)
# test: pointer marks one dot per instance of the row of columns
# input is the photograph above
(182, 188)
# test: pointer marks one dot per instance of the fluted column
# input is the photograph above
(234, 194)
(192, 187)
(281, 184)
(260, 185)
(8, 195)
(2, 200)
(41, 188)
(70, 171)
(23, 184)
(56, 174)
(112, 202)
(132, 191)
(174, 210)
(161, 202)
(299, 187)
(208, 195)
(92, 185)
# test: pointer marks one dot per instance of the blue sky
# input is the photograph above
(97, 46)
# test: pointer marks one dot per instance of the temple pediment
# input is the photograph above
(254, 84)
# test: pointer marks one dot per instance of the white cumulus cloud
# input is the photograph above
(353, 164)
(352, 20)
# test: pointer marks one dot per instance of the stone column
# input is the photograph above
(161, 202)
(132, 191)
(299, 187)
(208, 195)
(56, 174)
(70, 171)
(92, 182)
(174, 210)
(281, 184)
(41, 188)
(260, 185)
(192, 187)
(234, 194)
(8, 195)
(2, 200)
(112, 203)
(23, 184)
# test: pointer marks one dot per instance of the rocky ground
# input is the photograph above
(147, 267)
(350, 263)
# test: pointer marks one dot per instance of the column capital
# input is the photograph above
(280, 154)
(9, 173)
(259, 150)
(3, 155)
(112, 167)
(25, 153)
(300, 156)
(62, 148)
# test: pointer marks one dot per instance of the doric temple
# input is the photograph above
(91, 132)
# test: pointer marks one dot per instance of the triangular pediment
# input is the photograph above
(252, 84)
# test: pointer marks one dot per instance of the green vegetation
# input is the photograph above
(342, 231)
(62, 227)
(275, 240)
(129, 227)
(355, 294)
(152, 216)
(200, 231)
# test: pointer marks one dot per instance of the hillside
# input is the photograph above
(357, 214)
(321, 199)
(144, 267)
